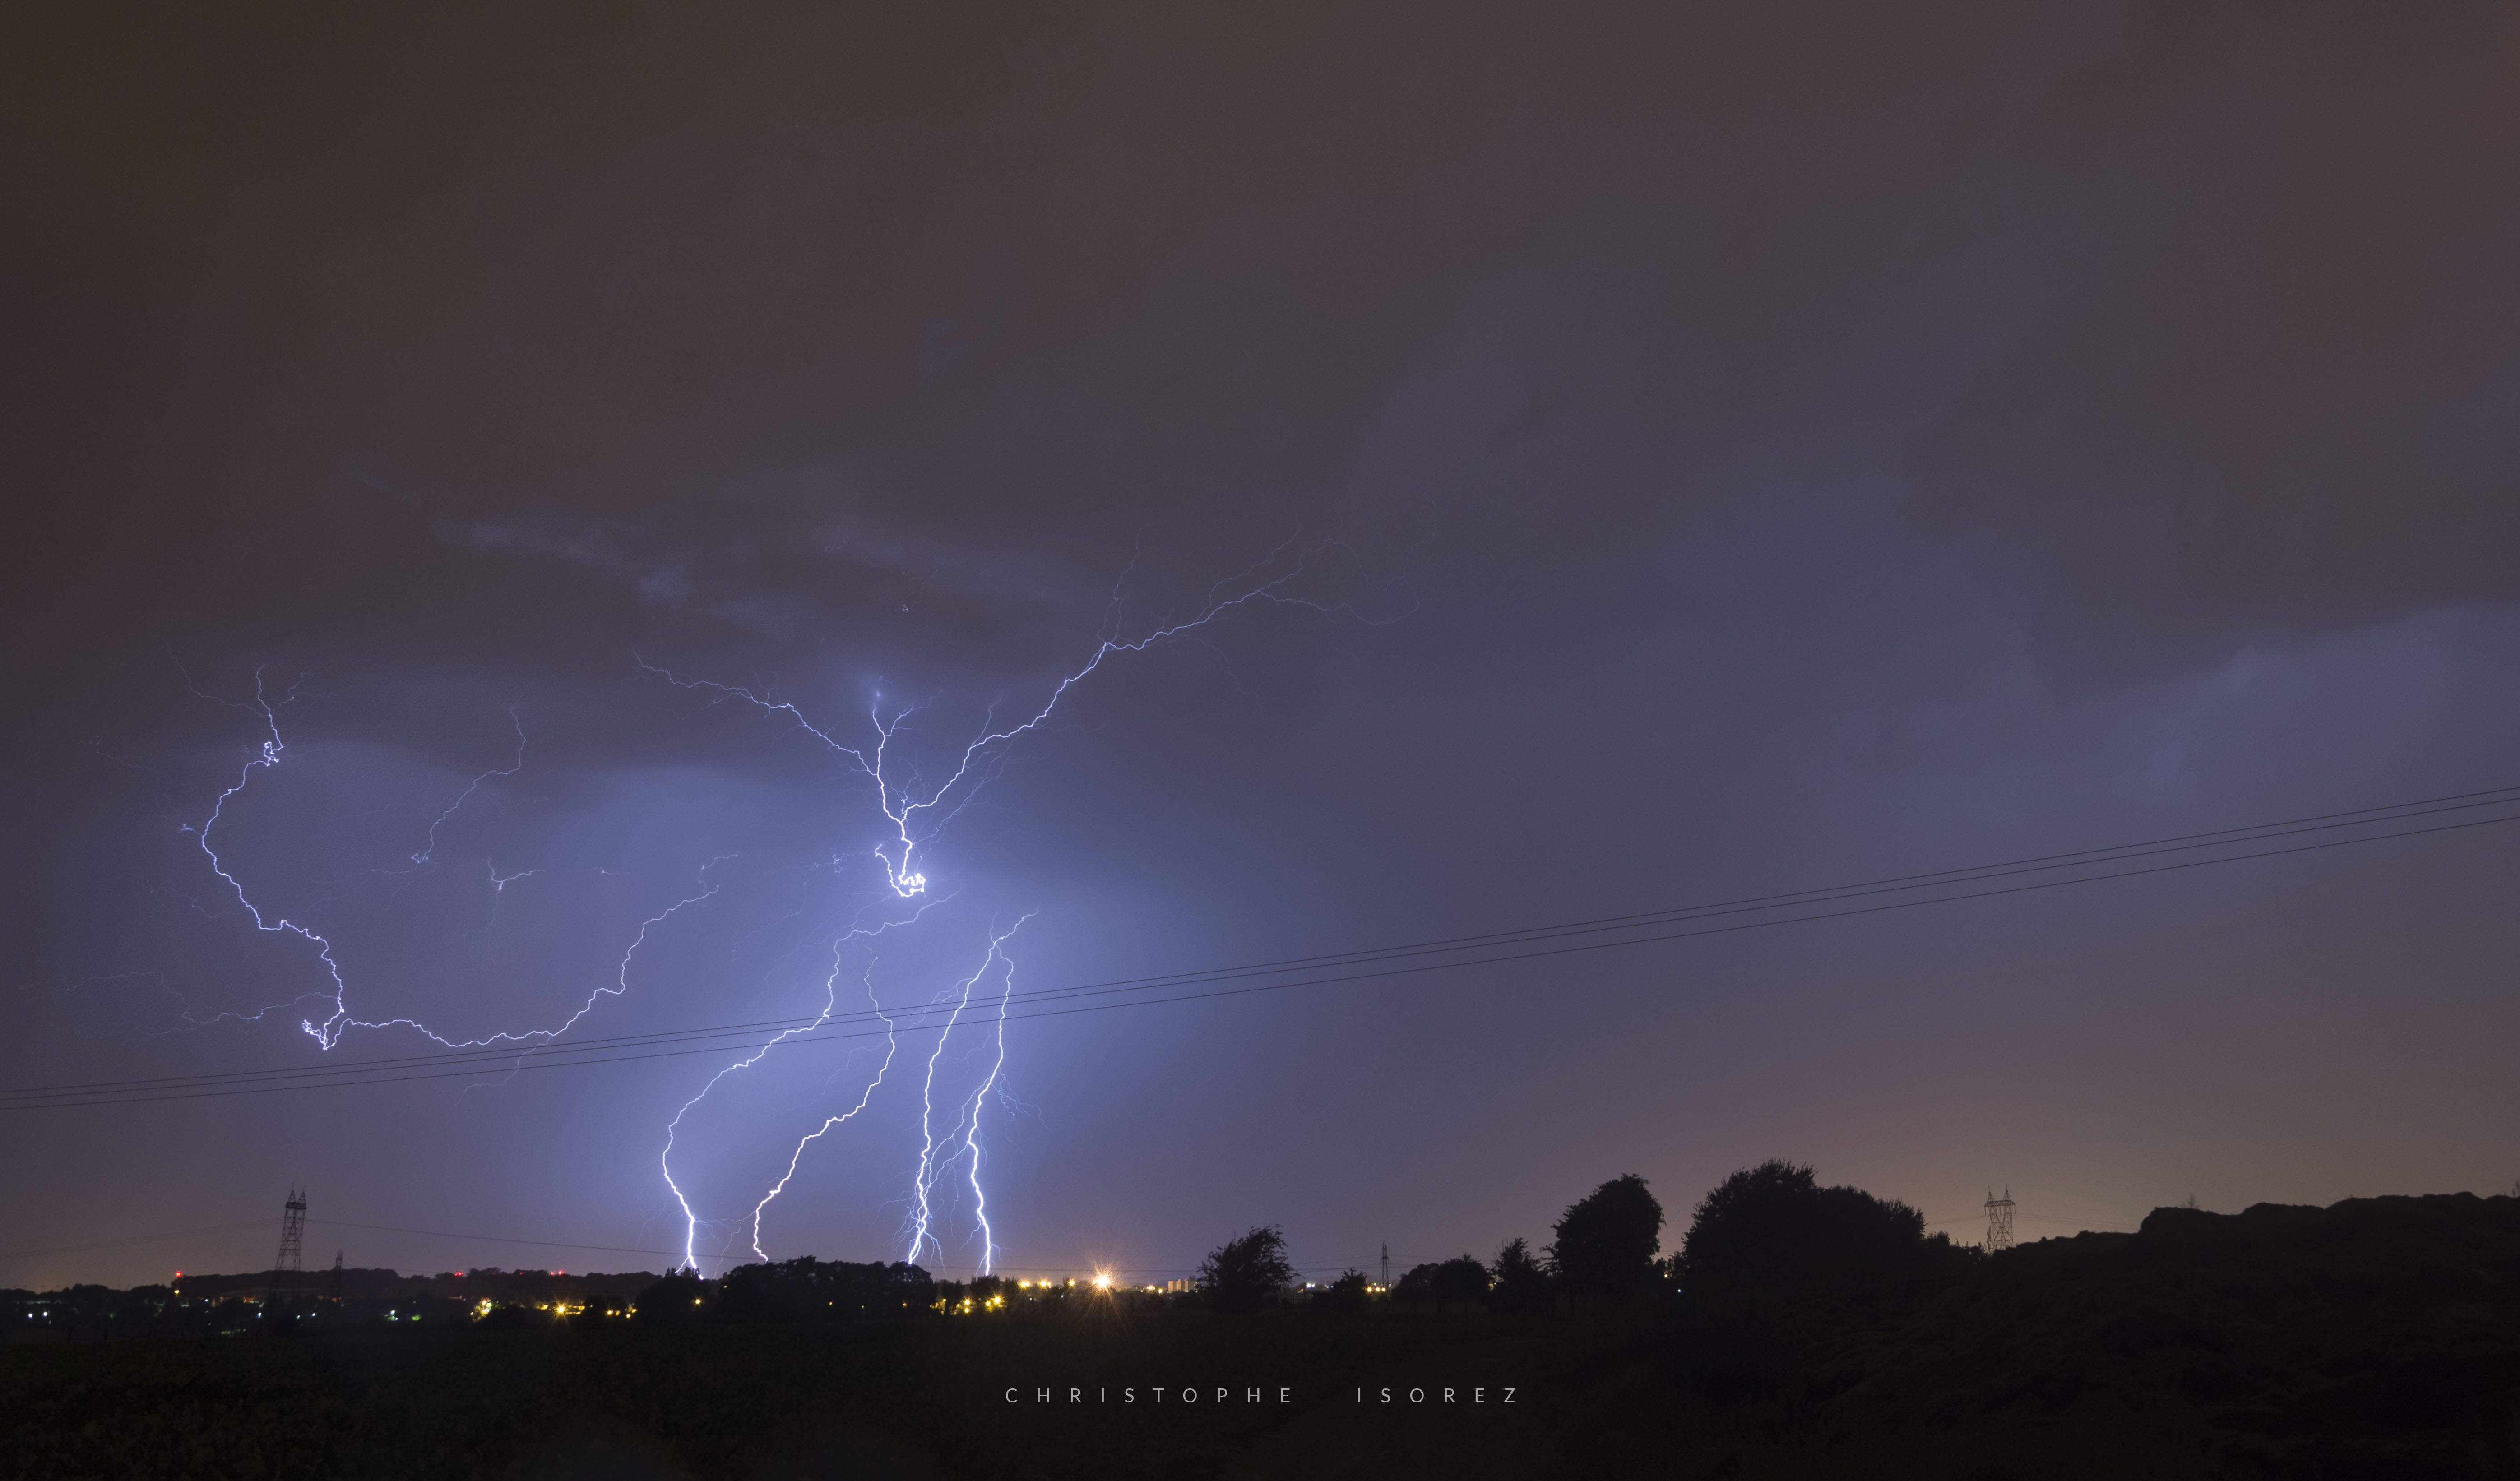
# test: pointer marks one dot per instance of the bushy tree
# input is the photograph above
(1459, 1280)
(1521, 1282)
(1347, 1293)
(1773, 1229)
(1774, 1262)
(1606, 1241)
(1247, 1272)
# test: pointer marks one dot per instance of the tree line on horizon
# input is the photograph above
(2369, 1337)
(1763, 1230)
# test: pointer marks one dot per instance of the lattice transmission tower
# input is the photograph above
(292, 1234)
(1999, 1220)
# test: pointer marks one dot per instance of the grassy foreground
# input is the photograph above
(903, 1399)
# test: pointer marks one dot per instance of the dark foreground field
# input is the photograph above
(2375, 1338)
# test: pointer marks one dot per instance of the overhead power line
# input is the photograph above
(2369, 824)
(2359, 817)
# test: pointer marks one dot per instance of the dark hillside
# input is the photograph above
(2380, 1336)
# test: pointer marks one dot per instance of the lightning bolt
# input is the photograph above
(268, 754)
(921, 1220)
(858, 934)
(905, 808)
(891, 1045)
(518, 765)
(916, 815)
(971, 1136)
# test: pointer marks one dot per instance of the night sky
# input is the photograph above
(1706, 450)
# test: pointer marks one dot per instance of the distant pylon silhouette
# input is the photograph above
(1386, 1265)
(1999, 1220)
(292, 1234)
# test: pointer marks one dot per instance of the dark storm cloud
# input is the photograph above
(1772, 443)
(2265, 375)
(671, 299)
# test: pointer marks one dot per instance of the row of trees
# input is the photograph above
(1768, 1241)
(1766, 1250)
(1605, 1253)
(803, 1289)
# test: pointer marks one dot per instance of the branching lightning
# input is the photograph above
(903, 807)
(916, 815)
(329, 1033)
(431, 849)
(922, 1222)
(857, 935)
(266, 756)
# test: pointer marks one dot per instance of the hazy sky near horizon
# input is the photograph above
(1721, 451)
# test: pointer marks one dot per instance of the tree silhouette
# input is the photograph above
(1347, 1293)
(1606, 1241)
(1457, 1281)
(1773, 1229)
(1247, 1272)
(1774, 1262)
(1521, 1280)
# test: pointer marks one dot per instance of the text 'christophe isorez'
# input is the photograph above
(1499, 1394)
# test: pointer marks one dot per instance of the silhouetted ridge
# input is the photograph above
(2371, 1337)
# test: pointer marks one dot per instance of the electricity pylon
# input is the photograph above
(1999, 1220)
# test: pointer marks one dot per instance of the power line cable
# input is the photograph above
(487, 1054)
(62, 1099)
(342, 1074)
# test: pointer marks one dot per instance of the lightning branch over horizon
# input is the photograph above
(267, 755)
(903, 805)
(920, 1223)
(431, 848)
(916, 815)
(857, 935)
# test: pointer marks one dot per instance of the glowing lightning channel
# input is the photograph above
(266, 757)
(903, 806)
(517, 766)
(917, 814)
(972, 1137)
(921, 1216)
(891, 1045)
(831, 1005)
(329, 1033)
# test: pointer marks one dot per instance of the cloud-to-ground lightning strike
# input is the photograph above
(857, 935)
(917, 816)
(922, 1222)
(891, 1045)
(971, 1121)
(328, 1033)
